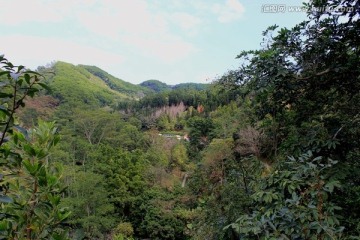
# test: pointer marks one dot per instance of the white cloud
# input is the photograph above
(231, 11)
(167, 49)
(111, 18)
(186, 21)
(17, 11)
(33, 51)
(140, 28)
(139, 25)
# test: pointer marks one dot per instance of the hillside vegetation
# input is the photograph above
(267, 151)
(74, 84)
(117, 84)
(158, 86)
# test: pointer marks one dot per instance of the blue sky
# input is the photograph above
(173, 41)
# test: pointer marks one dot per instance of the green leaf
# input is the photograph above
(40, 213)
(20, 102)
(19, 82)
(31, 91)
(63, 216)
(3, 225)
(54, 199)
(51, 180)
(27, 78)
(33, 72)
(331, 185)
(4, 73)
(41, 153)
(16, 138)
(32, 168)
(29, 150)
(21, 67)
(56, 140)
(6, 95)
(44, 86)
(4, 110)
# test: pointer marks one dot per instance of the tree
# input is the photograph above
(179, 156)
(291, 203)
(30, 187)
(95, 125)
(305, 85)
(88, 200)
(200, 133)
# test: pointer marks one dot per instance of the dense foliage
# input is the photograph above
(30, 184)
(117, 84)
(157, 86)
(268, 151)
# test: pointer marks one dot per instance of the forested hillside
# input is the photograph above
(158, 86)
(115, 83)
(270, 150)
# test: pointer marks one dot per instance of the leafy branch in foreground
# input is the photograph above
(29, 185)
(293, 203)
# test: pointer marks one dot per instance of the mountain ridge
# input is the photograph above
(158, 86)
(85, 86)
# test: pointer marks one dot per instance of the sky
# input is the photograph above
(174, 41)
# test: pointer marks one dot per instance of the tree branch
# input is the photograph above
(317, 74)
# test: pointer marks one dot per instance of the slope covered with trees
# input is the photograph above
(268, 151)
(158, 86)
(117, 84)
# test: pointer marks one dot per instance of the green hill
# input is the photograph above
(155, 85)
(158, 86)
(83, 86)
(115, 83)
(76, 85)
(194, 86)
(90, 85)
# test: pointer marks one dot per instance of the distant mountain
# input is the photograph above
(115, 83)
(75, 84)
(74, 87)
(158, 86)
(90, 85)
(195, 86)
